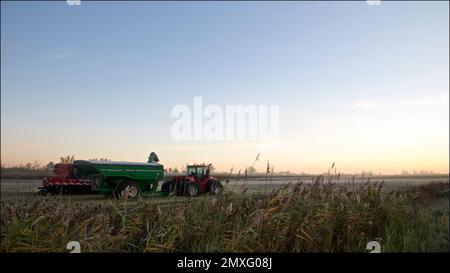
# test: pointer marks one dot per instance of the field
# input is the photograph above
(320, 214)
(12, 189)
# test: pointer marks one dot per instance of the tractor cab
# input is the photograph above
(198, 171)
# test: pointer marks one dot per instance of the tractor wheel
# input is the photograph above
(167, 187)
(215, 188)
(181, 188)
(192, 189)
(134, 191)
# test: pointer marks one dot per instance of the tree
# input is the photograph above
(50, 165)
(36, 165)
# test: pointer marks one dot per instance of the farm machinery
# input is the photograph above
(197, 181)
(65, 178)
(113, 178)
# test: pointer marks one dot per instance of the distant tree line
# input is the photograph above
(35, 169)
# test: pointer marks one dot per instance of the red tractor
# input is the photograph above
(65, 178)
(196, 182)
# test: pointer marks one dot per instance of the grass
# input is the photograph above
(316, 217)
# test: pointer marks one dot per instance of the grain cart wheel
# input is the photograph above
(134, 191)
(42, 192)
(215, 188)
(192, 189)
(109, 194)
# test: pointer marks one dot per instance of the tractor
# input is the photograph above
(197, 181)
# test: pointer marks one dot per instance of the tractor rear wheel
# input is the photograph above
(215, 188)
(167, 187)
(134, 191)
(181, 187)
(192, 189)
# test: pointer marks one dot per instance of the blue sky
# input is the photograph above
(100, 79)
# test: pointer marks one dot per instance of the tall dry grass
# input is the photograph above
(315, 217)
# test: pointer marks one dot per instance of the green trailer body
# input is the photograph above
(113, 177)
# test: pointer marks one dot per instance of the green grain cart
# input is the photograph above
(110, 177)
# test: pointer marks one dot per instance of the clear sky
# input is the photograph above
(364, 86)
